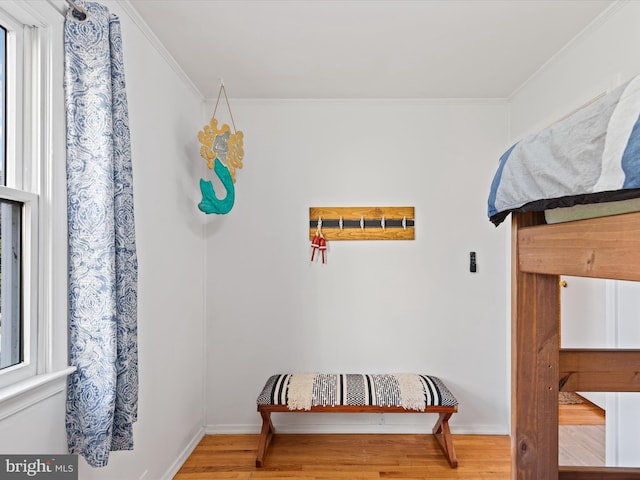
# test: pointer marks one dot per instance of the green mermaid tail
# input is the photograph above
(212, 204)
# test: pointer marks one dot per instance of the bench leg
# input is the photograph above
(443, 434)
(265, 437)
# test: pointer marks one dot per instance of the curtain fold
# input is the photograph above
(102, 395)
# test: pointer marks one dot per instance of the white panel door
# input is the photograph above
(623, 409)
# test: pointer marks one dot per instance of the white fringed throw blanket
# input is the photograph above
(301, 391)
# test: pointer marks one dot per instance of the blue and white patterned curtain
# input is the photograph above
(102, 394)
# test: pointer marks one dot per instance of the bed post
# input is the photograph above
(534, 366)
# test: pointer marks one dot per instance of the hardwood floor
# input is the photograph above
(348, 457)
(581, 445)
(581, 435)
(386, 456)
(581, 414)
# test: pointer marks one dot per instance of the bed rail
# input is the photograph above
(607, 247)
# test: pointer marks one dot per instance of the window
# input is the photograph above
(10, 245)
(11, 344)
(33, 235)
(18, 203)
(3, 94)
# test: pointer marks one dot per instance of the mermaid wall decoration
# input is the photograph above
(223, 152)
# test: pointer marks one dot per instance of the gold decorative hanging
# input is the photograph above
(223, 151)
(222, 144)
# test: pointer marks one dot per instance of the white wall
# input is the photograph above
(165, 115)
(601, 58)
(597, 60)
(583, 312)
(376, 306)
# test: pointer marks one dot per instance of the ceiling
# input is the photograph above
(365, 48)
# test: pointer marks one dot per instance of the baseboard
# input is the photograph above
(188, 450)
(232, 429)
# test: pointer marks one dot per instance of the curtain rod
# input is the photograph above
(79, 13)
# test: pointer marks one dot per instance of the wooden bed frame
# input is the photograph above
(441, 430)
(606, 247)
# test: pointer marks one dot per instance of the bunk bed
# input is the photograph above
(602, 247)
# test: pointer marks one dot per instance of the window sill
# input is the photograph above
(31, 391)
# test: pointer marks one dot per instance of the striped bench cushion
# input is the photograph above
(301, 391)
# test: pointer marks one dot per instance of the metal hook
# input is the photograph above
(78, 13)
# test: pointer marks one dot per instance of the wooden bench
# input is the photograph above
(357, 393)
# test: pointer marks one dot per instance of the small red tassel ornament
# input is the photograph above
(315, 243)
(322, 246)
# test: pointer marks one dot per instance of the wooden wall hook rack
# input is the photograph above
(362, 223)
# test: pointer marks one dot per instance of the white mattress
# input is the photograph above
(592, 210)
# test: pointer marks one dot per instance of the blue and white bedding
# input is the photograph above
(591, 157)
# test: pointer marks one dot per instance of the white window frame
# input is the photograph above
(36, 142)
(19, 154)
(28, 367)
